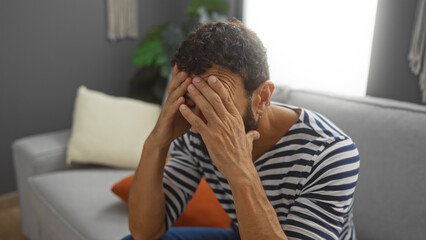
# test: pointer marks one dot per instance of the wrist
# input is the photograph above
(242, 176)
(157, 142)
(154, 149)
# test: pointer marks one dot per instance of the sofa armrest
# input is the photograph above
(36, 155)
(41, 153)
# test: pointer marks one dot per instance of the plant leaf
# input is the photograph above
(149, 53)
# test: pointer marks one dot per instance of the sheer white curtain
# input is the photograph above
(320, 45)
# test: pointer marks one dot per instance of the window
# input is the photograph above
(317, 45)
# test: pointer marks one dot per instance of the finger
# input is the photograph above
(202, 103)
(174, 100)
(189, 102)
(253, 136)
(175, 71)
(212, 97)
(176, 81)
(196, 123)
(172, 109)
(179, 91)
(223, 93)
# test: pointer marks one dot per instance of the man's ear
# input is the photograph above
(262, 96)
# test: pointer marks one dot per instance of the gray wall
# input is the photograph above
(48, 49)
(389, 75)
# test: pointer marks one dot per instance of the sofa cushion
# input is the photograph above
(109, 130)
(391, 139)
(78, 204)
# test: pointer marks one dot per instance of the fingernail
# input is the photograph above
(197, 79)
(191, 87)
(182, 107)
(256, 136)
(212, 79)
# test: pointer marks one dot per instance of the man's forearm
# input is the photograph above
(256, 216)
(146, 199)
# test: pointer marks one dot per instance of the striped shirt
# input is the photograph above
(309, 177)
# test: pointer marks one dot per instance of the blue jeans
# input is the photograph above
(196, 233)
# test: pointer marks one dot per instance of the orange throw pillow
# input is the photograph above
(203, 210)
(122, 188)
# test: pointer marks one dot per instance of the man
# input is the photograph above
(279, 172)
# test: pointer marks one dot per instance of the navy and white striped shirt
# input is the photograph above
(309, 177)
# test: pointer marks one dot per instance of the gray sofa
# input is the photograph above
(60, 201)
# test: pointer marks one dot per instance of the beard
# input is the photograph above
(250, 123)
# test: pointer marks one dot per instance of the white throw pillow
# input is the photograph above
(109, 130)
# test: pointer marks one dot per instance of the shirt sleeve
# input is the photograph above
(180, 180)
(322, 209)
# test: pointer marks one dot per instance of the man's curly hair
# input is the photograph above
(228, 44)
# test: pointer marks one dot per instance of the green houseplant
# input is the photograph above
(154, 53)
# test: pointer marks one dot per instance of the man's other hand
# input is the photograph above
(170, 124)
